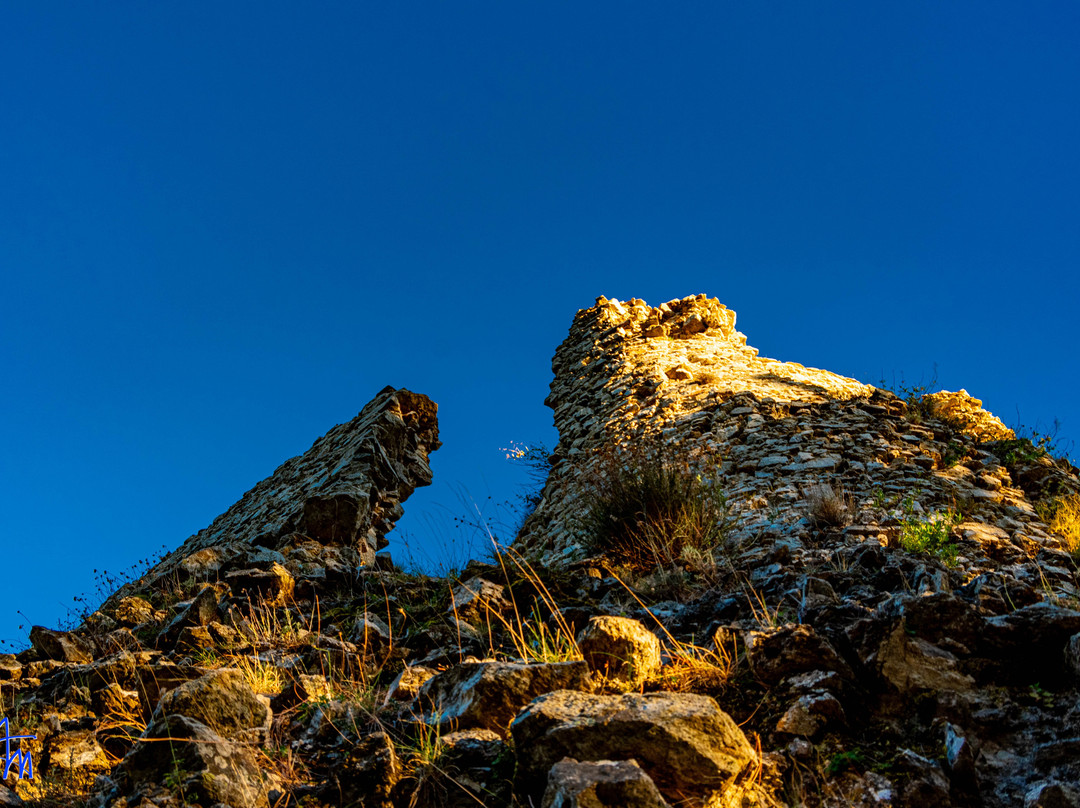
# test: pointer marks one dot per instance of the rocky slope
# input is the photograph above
(877, 613)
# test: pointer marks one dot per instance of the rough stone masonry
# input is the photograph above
(681, 375)
(334, 504)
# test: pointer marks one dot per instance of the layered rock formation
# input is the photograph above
(331, 506)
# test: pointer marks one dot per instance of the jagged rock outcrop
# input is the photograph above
(329, 508)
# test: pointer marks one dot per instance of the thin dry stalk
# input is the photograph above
(690, 666)
(533, 640)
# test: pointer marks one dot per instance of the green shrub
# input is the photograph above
(918, 410)
(1030, 444)
(932, 536)
(644, 507)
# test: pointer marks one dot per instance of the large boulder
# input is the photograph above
(620, 650)
(223, 701)
(777, 654)
(59, 645)
(188, 756)
(600, 784)
(683, 741)
(489, 694)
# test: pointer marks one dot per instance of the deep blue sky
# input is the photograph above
(225, 226)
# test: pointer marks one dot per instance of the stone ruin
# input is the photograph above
(681, 376)
(286, 662)
(331, 507)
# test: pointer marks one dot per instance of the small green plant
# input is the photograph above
(174, 779)
(424, 746)
(842, 761)
(643, 506)
(542, 644)
(918, 409)
(1041, 696)
(931, 536)
(952, 455)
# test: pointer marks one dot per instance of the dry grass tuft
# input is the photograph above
(1064, 520)
(644, 507)
(693, 669)
(533, 640)
(690, 668)
(264, 677)
(828, 507)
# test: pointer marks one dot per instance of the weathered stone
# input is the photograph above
(133, 611)
(335, 724)
(274, 586)
(223, 701)
(408, 683)
(617, 347)
(193, 639)
(855, 790)
(201, 611)
(1052, 795)
(10, 668)
(1031, 638)
(370, 634)
(206, 563)
(1072, 656)
(967, 415)
(208, 767)
(346, 490)
(113, 700)
(621, 650)
(369, 774)
(777, 654)
(301, 687)
(912, 664)
(78, 754)
(685, 742)
(475, 600)
(476, 767)
(159, 678)
(490, 694)
(810, 714)
(600, 784)
(960, 758)
(59, 645)
(922, 782)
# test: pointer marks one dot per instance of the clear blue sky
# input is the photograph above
(225, 226)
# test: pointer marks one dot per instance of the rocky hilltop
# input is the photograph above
(745, 582)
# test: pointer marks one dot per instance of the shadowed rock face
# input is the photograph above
(346, 490)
